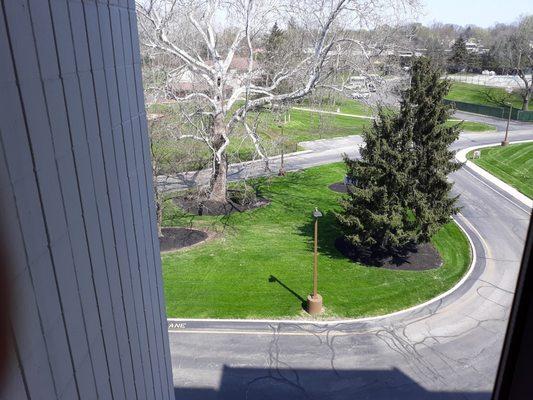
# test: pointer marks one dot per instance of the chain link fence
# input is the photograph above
(498, 112)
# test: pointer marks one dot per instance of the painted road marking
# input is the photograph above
(266, 333)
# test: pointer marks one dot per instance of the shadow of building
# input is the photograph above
(295, 384)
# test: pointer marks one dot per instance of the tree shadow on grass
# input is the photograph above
(423, 256)
(273, 279)
(328, 232)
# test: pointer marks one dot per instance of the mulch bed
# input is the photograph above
(179, 238)
(338, 187)
(209, 207)
(422, 257)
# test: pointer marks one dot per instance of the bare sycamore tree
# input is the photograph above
(217, 62)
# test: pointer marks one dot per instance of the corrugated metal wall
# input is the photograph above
(77, 202)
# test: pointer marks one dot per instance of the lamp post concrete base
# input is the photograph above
(314, 304)
(505, 143)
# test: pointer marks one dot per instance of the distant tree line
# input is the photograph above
(506, 49)
(502, 48)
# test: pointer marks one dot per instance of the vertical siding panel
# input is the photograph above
(76, 321)
(121, 205)
(134, 182)
(145, 219)
(29, 191)
(101, 190)
(77, 204)
(124, 186)
(106, 348)
(14, 386)
(103, 107)
(144, 146)
(28, 334)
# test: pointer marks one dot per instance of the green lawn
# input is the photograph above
(301, 126)
(470, 126)
(307, 125)
(477, 94)
(513, 164)
(261, 266)
(345, 106)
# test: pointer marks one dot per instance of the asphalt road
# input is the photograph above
(448, 349)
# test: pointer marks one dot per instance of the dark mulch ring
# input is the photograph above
(178, 238)
(416, 258)
(210, 207)
(338, 187)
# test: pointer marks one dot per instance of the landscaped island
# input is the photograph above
(260, 266)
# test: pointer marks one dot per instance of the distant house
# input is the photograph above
(472, 46)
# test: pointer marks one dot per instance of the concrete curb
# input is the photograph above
(461, 157)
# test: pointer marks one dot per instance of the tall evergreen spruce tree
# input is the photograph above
(400, 193)
(374, 217)
(430, 201)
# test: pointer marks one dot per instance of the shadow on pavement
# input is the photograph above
(294, 384)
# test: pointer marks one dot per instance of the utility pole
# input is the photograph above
(506, 140)
(509, 91)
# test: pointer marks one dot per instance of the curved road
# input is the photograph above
(448, 349)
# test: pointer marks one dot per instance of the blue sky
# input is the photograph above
(478, 12)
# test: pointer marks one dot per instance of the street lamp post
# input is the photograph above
(281, 171)
(314, 301)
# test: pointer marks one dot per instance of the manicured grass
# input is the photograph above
(513, 164)
(261, 266)
(470, 126)
(302, 126)
(476, 94)
(307, 125)
(345, 106)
